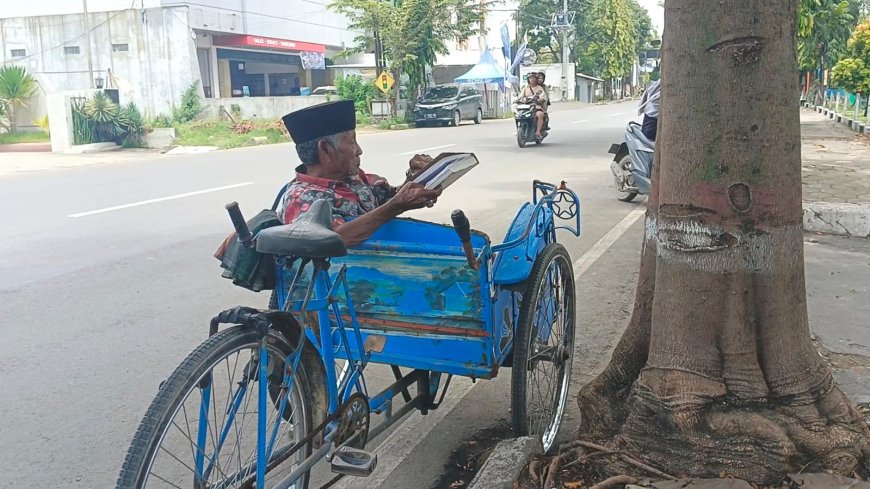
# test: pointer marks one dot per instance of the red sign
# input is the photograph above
(268, 42)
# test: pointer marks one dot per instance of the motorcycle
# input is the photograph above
(632, 163)
(524, 116)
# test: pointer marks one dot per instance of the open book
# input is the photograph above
(445, 169)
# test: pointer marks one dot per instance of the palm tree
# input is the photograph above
(823, 29)
(17, 87)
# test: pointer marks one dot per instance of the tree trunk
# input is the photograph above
(716, 370)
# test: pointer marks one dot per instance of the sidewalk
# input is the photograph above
(836, 177)
(26, 162)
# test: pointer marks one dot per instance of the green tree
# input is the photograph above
(412, 32)
(616, 41)
(853, 73)
(823, 29)
(17, 87)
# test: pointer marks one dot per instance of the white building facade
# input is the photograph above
(153, 50)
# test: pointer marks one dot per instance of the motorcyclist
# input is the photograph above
(542, 77)
(649, 107)
(536, 92)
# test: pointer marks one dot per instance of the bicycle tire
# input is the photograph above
(522, 348)
(173, 392)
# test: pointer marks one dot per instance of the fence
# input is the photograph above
(851, 105)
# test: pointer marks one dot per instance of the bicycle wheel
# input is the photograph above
(543, 348)
(201, 429)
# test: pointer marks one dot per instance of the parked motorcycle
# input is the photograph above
(524, 116)
(632, 163)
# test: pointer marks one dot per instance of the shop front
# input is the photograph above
(256, 66)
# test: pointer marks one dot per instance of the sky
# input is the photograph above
(656, 13)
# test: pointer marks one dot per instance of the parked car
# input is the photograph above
(449, 104)
(325, 90)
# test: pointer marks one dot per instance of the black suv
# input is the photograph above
(449, 104)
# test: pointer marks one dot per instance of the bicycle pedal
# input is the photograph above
(353, 462)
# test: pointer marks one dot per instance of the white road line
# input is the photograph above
(418, 151)
(615, 114)
(412, 431)
(580, 122)
(584, 262)
(159, 199)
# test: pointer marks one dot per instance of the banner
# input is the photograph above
(312, 60)
(505, 42)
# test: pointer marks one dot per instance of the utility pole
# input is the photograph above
(565, 52)
(88, 30)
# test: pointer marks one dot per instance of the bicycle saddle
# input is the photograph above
(310, 236)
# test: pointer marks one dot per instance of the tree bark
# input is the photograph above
(716, 370)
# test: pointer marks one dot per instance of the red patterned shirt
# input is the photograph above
(348, 198)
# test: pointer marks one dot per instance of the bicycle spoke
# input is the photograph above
(164, 480)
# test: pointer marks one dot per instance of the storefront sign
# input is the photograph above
(268, 42)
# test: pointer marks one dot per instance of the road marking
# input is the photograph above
(580, 122)
(615, 114)
(159, 199)
(584, 262)
(411, 432)
(418, 151)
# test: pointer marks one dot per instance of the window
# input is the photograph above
(18, 53)
(71, 50)
(120, 48)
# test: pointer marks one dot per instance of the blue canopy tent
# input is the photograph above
(487, 71)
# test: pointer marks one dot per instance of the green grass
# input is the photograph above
(220, 133)
(24, 137)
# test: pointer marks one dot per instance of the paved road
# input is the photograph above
(107, 281)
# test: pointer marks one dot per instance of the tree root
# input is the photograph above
(616, 480)
(624, 456)
(552, 470)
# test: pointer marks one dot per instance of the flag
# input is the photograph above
(505, 42)
(518, 58)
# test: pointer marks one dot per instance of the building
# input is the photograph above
(158, 48)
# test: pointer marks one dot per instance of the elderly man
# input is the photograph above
(325, 138)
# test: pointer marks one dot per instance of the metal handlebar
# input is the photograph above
(463, 229)
(239, 223)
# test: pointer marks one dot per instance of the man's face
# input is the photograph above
(344, 158)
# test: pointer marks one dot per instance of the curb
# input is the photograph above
(846, 120)
(852, 220)
(503, 466)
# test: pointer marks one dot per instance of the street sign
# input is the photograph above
(385, 81)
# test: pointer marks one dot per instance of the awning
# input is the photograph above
(245, 41)
(485, 71)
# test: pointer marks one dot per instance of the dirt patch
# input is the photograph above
(466, 460)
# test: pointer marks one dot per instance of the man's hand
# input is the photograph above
(413, 196)
(417, 163)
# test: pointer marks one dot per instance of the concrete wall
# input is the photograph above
(261, 107)
(159, 63)
(298, 20)
(553, 72)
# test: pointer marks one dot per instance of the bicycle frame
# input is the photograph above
(533, 229)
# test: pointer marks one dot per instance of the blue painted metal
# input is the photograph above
(202, 432)
(231, 417)
(262, 398)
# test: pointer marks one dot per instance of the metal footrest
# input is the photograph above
(353, 462)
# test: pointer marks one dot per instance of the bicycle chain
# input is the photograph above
(339, 413)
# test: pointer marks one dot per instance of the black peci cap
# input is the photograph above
(320, 120)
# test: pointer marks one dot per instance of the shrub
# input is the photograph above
(356, 89)
(191, 105)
